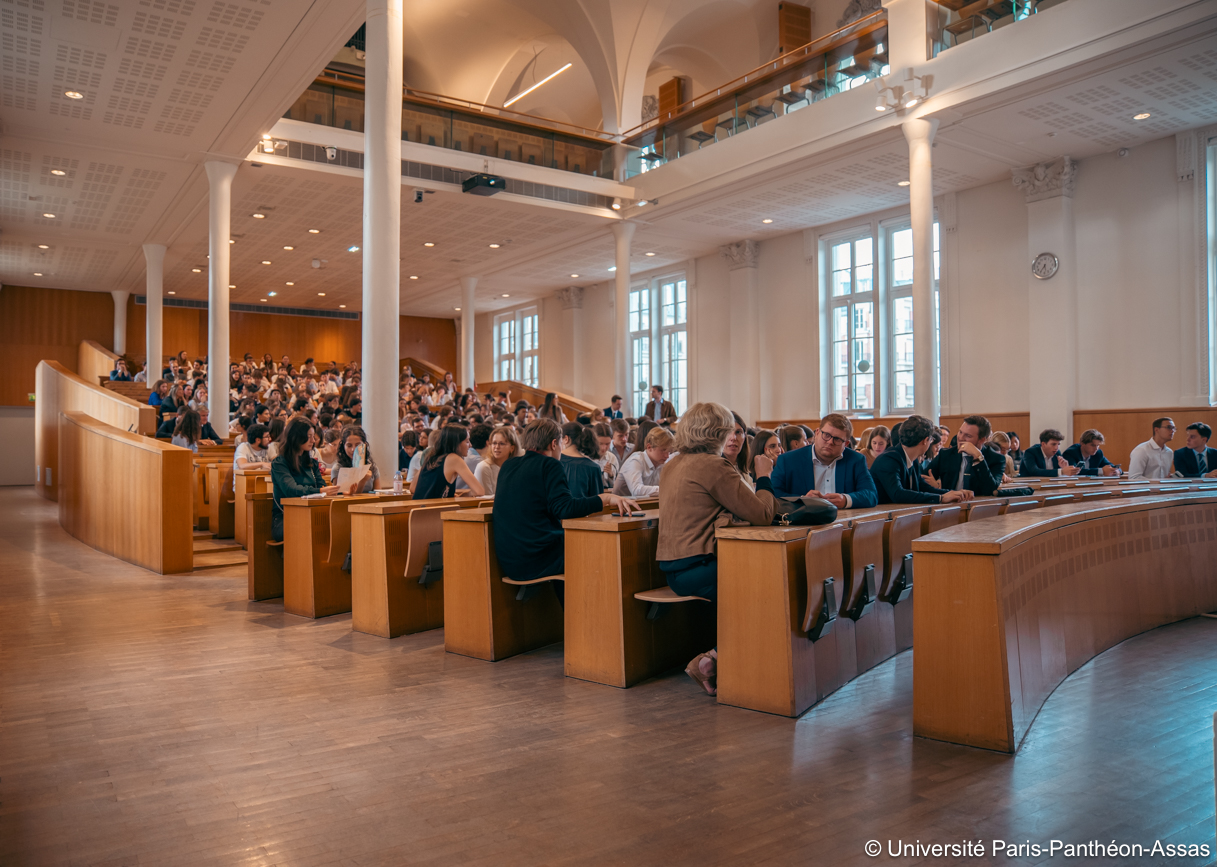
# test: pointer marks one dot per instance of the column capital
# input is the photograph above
(1048, 180)
(920, 129)
(154, 253)
(624, 229)
(571, 297)
(219, 171)
(741, 254)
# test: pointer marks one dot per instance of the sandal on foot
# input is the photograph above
(694, 671)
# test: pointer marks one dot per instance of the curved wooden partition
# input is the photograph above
(124, 494)
(93, 360)
(571, 407)
(1009, 606)
(59, 390)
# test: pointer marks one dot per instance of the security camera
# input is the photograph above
(331, 153)
(418, 197)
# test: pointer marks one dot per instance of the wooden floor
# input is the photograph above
(148, 720)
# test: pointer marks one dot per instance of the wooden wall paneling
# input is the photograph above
(94, 361)
(298, 337)
(794, 26)
(1019, 422)
(60, 390)
(1125, 429)
(429, 338)
(124, 494)
(47, 324)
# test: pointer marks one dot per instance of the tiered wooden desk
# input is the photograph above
(246, 482)
(608, 638)
(265, 565)
(1010, 606)
(316, 539)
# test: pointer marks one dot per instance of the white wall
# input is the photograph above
(17, 456)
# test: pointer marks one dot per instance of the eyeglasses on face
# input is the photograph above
(829, 438)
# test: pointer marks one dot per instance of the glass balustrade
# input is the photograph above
(962, 21)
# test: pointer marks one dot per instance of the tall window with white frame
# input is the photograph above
(852, 317)
(517, 346)
(668, 332)
(900, 296)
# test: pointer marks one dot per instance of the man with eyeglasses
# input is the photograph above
(827, 470)
(1153, 459)
(896, 469)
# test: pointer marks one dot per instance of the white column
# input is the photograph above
(743, 261)
(219, 227)
(570, 344)
(154, 258)
(1052, 362)
(920, 134)
(623, 233)
(382, 227)
(120, 320)
(468, 372)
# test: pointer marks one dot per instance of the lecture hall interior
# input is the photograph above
(800, 413)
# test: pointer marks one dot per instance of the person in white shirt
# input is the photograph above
(619, 446)
(1153, 458)
(251, 454)
(503, 445)
(639, 476)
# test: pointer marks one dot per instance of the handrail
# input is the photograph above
(748, 77)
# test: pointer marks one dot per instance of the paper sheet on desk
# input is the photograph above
(348, 476)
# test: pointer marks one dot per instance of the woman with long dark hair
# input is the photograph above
(353, 438)
(294, 473)
(551, 410)
(443, 463)
(189, 431)
(736, 448)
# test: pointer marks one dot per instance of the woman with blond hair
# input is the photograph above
(502, 446)
(701, 490)
(874, 442)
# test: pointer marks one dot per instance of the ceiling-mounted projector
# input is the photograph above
(484, 185)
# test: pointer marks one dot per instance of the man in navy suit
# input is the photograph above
(1044, 460)
(1197, 459)
(969, 465)
(896, 472)
(614, 409)
(1087, 456)
(827, 470)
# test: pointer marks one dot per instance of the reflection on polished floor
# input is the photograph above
(166, 720)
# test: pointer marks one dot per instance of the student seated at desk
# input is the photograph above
(294, 473)
(207, 432)
(532, 501)
(896, 472)
(639, 475)
(580, 451)
(827, 470)
(1043, 461)
(1197, 459)
(189, 432)
(251, 454)
(503, 446)
(443, 463)
(352, 440)
(970, 464)
(701, 490)
(168, 425)
(120, 372)
(1086, 456)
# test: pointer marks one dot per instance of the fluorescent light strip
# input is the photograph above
(538, 84)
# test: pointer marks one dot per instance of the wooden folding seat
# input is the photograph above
(1021, 506)
(940, 518)
(898, 536)
(862, 548)
(825, 580)
(988, 509)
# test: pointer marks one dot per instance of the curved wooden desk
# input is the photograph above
(1008, 607)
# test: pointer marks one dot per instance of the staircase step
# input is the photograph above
(200, 535)
(218, 559)
(216, 546)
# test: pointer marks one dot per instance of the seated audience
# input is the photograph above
(407, 446)
(278, 428)
(1197, 459)
(532, 500)
(157, 396)
(766, 443)
(209, 435)
(658, 409)
(1153, 459)
(607, 461)
(120, 373)
(1001, 441)
(580, 453)
(793, 437)
(970, 465)
(142, 375)
(443, 463)
(827, 470)
(479, 436)
(896, 474)
(502, 446)
(294, 473)
(189, 430)
(736, 449)
(1086, 455)
(874, 442)
(639, 476)
(1016, 447)
(169, 423)
(355, 442)
(416, 462)
(702, 489)
(251, 454)
(621, 445)
(1043, 460)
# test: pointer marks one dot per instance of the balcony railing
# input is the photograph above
(965, 20)
(335, 99)
(840, 61)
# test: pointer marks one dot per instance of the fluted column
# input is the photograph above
(154, 259)
(219, 176)
(468, 372)
(623, 234)
(920, 135)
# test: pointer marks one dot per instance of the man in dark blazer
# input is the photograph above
(968, 465)
(1043, 460)
(613, 410)
(1086, 455)
(827, 470)
(658, 409)
(1197, 459)
(896, 470)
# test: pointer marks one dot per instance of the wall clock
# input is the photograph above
(1045, 265)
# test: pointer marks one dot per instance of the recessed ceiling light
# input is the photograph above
(766, 220)
(494, 246)
(289, 283)
(43, 247)
(428, 243)
(1145, 115)
(231, 241)
(353, 249)
(456, 308)
(197, 270)
(314, 231)
(505, 295)
(258, 216)
(289, 248)
(342, 305)
(232, 285)
(574, 275)
(320, 294)
(73, 94)
(650, 254)
(49, 216)
(261, 299)
(266, 261)
(171, 292)
(58, 172)
(266, 136)
(272, 294)
(412, 277)
(903, 183)
(613, 268)
(37, 273)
